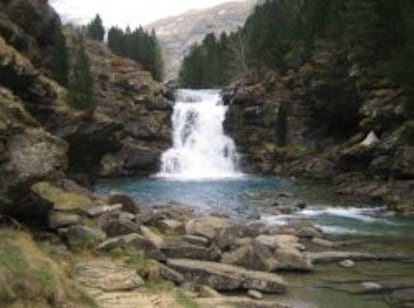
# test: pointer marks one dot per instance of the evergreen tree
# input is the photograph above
(81, 94)
(58, 63)
(95, 29)
(140, 46)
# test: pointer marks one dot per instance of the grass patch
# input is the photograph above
(184, 300)
(61, 198)
(29, 278)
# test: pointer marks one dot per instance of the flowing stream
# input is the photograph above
(200, 149)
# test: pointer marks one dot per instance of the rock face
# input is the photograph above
(292, 122)
(178, 33)
(43, 138)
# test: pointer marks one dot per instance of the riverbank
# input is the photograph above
(213, 259)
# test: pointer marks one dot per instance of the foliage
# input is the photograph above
(95, 29)
(81, 95)
(139, 45)
(58, 63)
(281, 32)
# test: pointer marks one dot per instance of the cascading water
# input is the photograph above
(200, 149)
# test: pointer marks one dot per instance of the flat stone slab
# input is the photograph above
(224, 277)
(235, 301)
(107, 276)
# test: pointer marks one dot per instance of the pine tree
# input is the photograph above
(58, 63)
(81, 94)
(95, 29)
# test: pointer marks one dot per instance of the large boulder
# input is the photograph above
(178, 249)
(224, 277)
(134, 240)
(208, 227)
(254, 255)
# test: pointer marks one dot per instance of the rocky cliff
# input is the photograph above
(332, 120)
(43, 138)
(178, 33)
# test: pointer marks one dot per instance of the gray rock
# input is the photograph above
(224, 277)
(82, 235)
(196, 240)
(255, 294)
(239, 302)
(208, 227)
(58, 220)
(100, 210)
(171, 275)
(117, 226)
(183, 250)
(170, 225)
(128, 204)
(107, 275)
(254, 255)
(134, 240)
(228, 235)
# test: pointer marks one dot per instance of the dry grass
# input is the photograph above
(30, 278)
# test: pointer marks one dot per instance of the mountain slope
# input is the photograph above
(178, 33)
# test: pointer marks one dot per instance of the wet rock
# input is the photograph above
(128, 204)
(79, 236)
(324, 243)
(224, 277)
(117, 226)
(134, 241)
(371, 286)
(404, 296)
(255, 294)
(347, 263)
(337, 256)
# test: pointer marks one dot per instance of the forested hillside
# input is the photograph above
(282, 34)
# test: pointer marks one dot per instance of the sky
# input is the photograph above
(127, 12)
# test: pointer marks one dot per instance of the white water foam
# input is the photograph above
(201, 150)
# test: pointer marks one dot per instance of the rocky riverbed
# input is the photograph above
(215, 260)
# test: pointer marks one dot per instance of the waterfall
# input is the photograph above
(200, 148)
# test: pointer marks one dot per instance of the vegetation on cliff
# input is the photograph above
(139, 45)
(81, 95)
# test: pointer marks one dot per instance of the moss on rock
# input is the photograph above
(61, 200)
